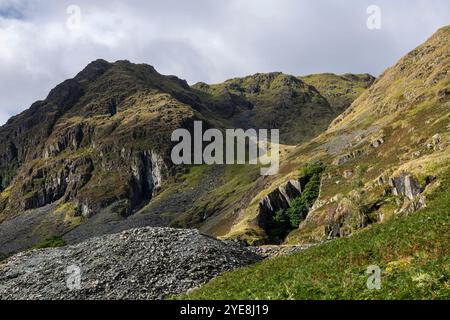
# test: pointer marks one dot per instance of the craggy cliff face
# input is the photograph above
(97, 140)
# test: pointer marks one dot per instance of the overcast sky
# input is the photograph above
(41, 44)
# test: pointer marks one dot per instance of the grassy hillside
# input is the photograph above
(271, 101)
(413, 253)
(397, 129)
(339, 90)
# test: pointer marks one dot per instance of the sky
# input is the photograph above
(44, 42)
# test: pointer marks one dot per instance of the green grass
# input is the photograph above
(413, 253)
(52, 242)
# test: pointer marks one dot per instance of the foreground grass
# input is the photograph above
(412, 252)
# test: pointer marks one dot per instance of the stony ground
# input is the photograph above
(273, 251)
(146, 263)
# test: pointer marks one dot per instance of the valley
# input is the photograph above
(363, 180)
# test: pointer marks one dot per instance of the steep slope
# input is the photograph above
(112, 110)
(217, 211)
(413, 254)
(383, 156)
(100, 141)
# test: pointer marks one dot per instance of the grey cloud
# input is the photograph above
(203, 40)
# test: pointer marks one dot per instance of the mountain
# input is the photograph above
(94, 156)
(379, 181)
(383, 157)
(363, 190)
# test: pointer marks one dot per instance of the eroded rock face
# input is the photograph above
(68, 146)
(139, 176)
(279, 199)
(411, 206)
(147, 177)
(405, 185)
(52, 186)
(147, 263)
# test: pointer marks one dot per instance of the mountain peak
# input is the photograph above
(93, 70)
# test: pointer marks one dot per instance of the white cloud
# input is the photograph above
(202, 40)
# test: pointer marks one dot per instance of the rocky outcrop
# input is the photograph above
(405, 185)
(141, 176)
(146, 177)
(377, 143)
(411, 206)
(346, 158)
(273, 251)
(147, 263)
(279, 199)
(71, 139)
(48, 186)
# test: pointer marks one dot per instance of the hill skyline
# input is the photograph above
(202, 42)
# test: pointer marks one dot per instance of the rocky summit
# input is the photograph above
(146, 263)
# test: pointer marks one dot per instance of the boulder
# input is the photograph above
(377, 143)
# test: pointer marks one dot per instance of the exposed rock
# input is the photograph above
(416, 154)
(377, 143)
(272, 251)
(147, 263)
(333, 230)
(436, 140)
(405, 185)
(411, 206)
(443, 94)
(381, 180)
(347, 174)
(346, 158)
(341, 160)
(279, 199)
(65, 182)
(146, 171)
(291, 190)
